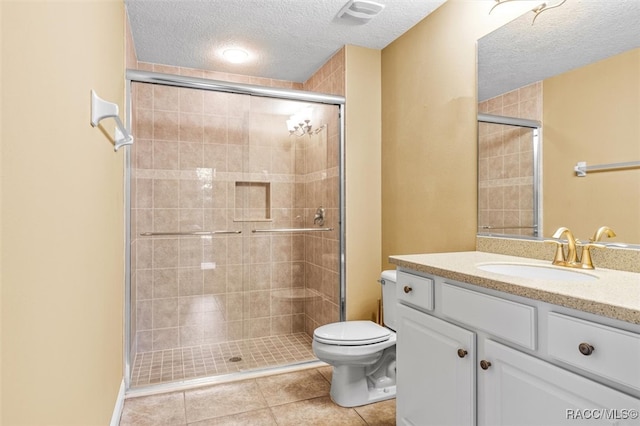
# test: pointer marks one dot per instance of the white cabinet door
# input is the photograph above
(518, 389)
(435, 383)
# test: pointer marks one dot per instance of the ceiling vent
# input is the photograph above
(361, 10)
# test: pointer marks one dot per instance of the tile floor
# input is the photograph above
(220, 358)
(298, 398)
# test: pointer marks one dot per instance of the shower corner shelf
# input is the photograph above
(101, 109)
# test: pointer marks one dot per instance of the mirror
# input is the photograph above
(577, 71)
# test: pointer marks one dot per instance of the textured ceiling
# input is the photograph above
(286, 39)
(577, 33)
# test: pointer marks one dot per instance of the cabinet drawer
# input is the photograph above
(415, 290)
(511, 321)
(615, 354)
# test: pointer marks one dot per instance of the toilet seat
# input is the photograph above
(351, 333)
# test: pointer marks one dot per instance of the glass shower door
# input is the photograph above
(216, 286)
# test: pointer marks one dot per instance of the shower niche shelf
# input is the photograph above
(252, 202)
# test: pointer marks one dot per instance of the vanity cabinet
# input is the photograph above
(437, 376)
(519, 389)
(472, 356)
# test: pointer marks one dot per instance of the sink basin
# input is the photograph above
(523, 270)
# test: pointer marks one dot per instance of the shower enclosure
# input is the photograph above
(235, 234)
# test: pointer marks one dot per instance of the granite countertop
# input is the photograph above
(615, 294)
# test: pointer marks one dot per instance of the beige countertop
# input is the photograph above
(615, 294)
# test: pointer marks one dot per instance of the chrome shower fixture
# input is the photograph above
(318, 219)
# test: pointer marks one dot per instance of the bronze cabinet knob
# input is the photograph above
(407, 289)
(485, 364)
(462, 353)
(585, 349)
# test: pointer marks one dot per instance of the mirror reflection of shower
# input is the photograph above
(508, 176)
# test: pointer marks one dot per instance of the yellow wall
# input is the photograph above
(363, 195)
(429, 130)
(1, 209)
(591, 114)
(62, 248)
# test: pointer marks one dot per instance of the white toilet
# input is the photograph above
(362, 353)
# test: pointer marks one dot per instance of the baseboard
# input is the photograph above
(117, 410)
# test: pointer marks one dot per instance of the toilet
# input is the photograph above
(362, 353)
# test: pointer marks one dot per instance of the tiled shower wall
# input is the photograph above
(216, 161)
(505, 162)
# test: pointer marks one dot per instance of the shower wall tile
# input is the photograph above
(190, 220)
(143, 254)
(166, 125)
(144, 124)
(165, 155)
(259, 304)
(165, 338)
(280, 303)
(144, 309)
(215, 156)
(143, 96)
(237, 132)
(165, 312)
(165, 98)
(216, 103)
(281, 324)
(144, 277)
(166, 193)
(190, 282)
(165, 253)
(143, 158)
(215, 129)
(192, 130)
(214, 281)
(260, 276)
(165, 283)
(165, 220)
(192, 100)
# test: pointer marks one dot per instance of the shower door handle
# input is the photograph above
(194, 233)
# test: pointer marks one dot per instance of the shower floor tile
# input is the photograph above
(169, 365)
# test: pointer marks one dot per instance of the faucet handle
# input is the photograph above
(587, 263)
(558, 258)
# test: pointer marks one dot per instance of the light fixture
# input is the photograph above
(235, 55)
(542, 7)
(299, 124)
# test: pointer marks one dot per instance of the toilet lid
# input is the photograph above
(351, 333)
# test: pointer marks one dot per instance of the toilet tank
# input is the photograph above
(389, 299)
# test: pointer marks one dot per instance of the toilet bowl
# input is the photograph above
(362, 353)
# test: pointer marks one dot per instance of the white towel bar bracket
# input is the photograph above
(101, 109)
